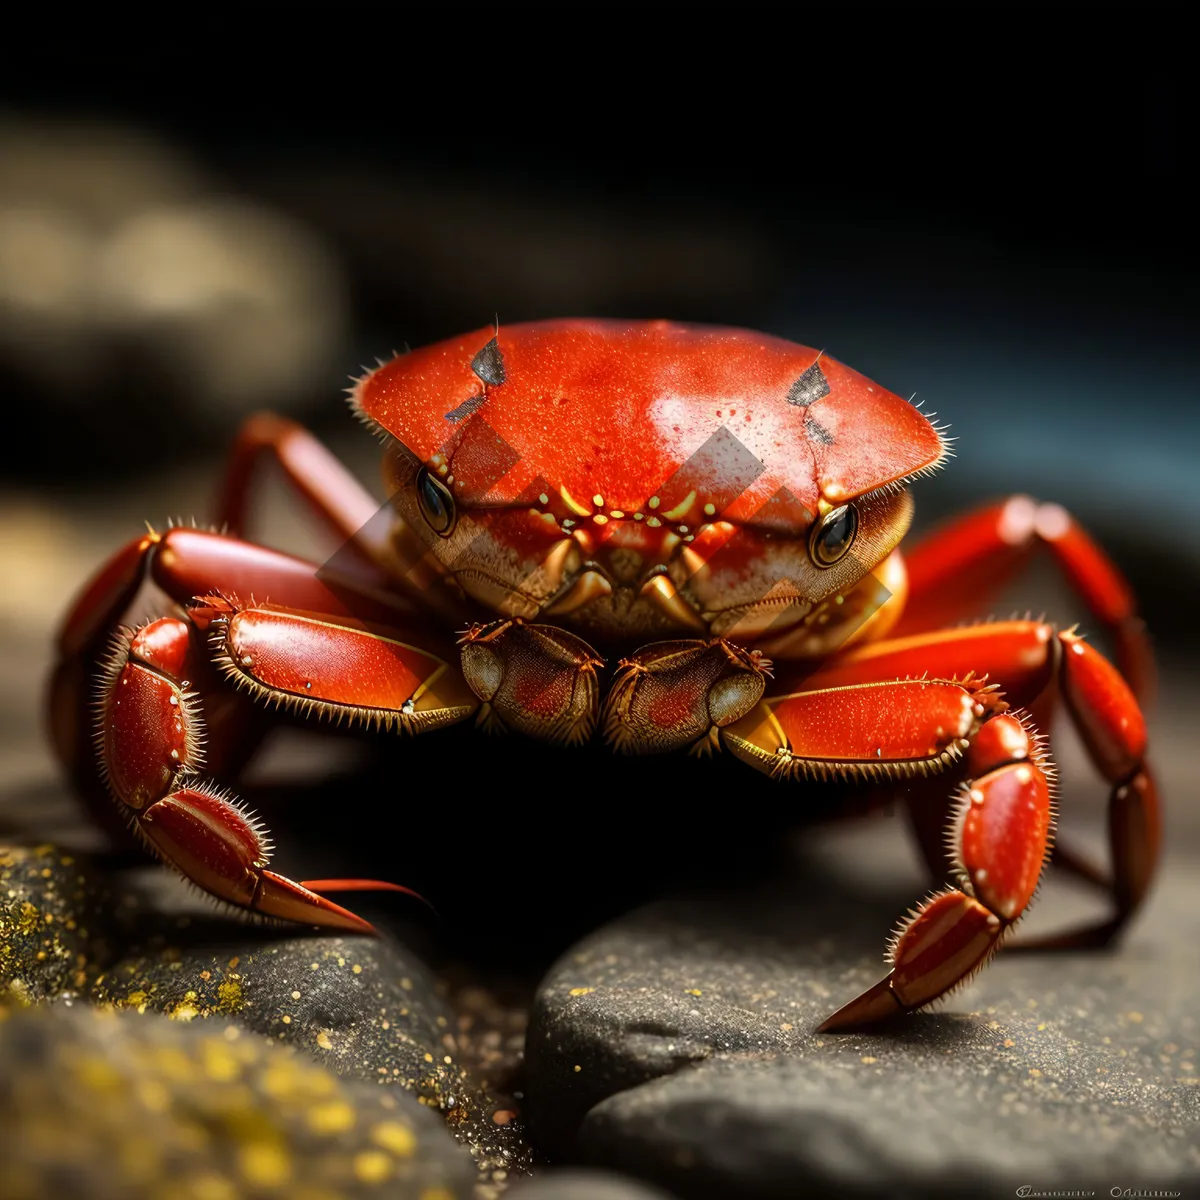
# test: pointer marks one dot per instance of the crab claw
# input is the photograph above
(278, 896)
(951, 936)
(208, 837)
(362, 885)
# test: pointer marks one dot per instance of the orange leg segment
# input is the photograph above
(969, 560)
(1000, 835)
(332, 493)
(186, 563)
(367, 531)
(150, 738)
(905, 729)
(156, 686)
(1029, 660)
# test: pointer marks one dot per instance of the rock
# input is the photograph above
(767, 1128)
(60, 920)
(257, 299)
(677, 1044)
(360, 1007)
(104, 1104)
(363, 1007)
(583, 1184)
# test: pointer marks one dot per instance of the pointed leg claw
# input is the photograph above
(362, 885)
(1000, 836)
(949, 939)
(877, 1003)
(277, 896)
(150, 736)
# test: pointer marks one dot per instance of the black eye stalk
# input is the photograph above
(833, 536)
(437, 504)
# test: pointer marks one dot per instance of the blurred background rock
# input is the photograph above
(144, 303)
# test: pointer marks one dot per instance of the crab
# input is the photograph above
(675, 538)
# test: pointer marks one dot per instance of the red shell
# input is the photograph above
(614, 408)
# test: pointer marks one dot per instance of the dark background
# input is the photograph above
(997, 218)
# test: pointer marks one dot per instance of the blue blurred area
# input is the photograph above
(1069, 380)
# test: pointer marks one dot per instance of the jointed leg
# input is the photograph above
(311, 647)
(150, 740)
(1030, 660)
(186, 563)
(999, 833)
(966, 562)
(332, 493)
(910, 729)
(150, 736)
(375, 548)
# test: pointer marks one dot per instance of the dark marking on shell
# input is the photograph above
(466, 408)
(488, 364)
(811, 386)
(818, 432)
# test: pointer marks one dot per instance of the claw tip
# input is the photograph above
(875, 1004)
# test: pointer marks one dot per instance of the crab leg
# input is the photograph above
(314, 648)
(186, 563)
(150, 737)
(910, 728)
(970, 559)
(1000, 835)
(308, 466)
(1026, 658)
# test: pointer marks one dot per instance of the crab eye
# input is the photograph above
(437, 504)
(833, 536)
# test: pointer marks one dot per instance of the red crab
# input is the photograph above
(677, 537)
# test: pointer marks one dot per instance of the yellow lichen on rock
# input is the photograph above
(142, 1107)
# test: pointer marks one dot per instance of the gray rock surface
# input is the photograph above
(678, 1044)
(59, 917)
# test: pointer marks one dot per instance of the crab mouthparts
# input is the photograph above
(593, 583)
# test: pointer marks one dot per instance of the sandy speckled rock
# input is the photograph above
(59, 922)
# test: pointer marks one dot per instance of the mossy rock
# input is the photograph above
(360, 1007)
(97, 1104)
